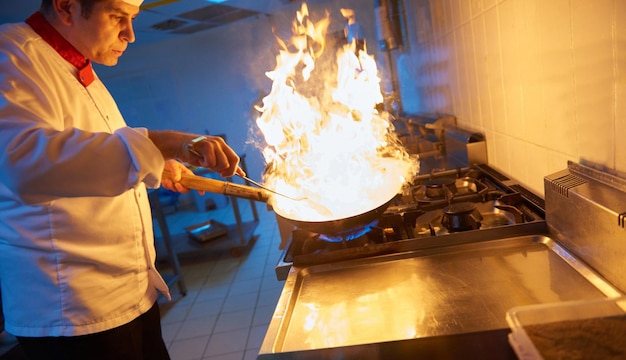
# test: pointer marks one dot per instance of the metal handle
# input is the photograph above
(268, 189)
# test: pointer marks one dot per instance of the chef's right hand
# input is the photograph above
(172, 174)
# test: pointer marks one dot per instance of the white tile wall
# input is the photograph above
(592, 24)
(544, 80)
(484, 118)
(494, 71)
(620, 85)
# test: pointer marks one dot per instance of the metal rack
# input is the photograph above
(169, 254)
(238, 237)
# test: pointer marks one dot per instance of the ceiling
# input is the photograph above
(164, 19)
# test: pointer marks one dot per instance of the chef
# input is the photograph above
(77, 255)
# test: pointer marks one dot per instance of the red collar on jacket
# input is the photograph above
(42, 27)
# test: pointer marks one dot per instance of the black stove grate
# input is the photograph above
(413, 218)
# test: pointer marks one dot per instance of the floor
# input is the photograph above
(230, 299)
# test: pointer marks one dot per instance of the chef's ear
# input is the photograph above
(64, 9)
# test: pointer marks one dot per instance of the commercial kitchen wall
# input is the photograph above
(209, 82)
(544, 80)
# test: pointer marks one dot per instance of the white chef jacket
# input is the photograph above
(76, 243)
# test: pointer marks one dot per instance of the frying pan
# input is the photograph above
(338, 226)
(334, 226)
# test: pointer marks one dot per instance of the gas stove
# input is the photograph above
(447, 203)
(418, 284)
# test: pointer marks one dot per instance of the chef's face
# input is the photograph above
(105, 33)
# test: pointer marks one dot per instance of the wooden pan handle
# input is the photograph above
(195, 182)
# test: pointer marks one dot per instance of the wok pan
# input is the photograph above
(338, 226)
(333, 226)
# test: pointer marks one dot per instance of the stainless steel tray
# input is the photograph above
(426, 292)
(207, 230)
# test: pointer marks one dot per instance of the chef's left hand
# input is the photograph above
(206, 151)
(172, 174)
(213, 153)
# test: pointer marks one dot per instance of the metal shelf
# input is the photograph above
(167, 250)
(239, 237)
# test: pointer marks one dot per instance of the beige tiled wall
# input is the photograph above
(545, 80)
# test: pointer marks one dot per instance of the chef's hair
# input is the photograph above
(86, 7)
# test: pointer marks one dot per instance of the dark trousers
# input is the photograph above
(137, 340)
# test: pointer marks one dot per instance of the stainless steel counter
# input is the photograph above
(460, 286)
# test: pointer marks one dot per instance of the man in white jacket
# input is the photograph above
(76, 244)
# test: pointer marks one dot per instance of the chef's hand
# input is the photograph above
(210, 152)
(213, 153)
(172, 174)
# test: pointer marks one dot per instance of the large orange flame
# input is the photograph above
(325, 140)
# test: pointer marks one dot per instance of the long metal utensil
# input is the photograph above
(268, 189)
(318, 207)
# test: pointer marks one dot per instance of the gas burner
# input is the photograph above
(439, 188)
(443, 190)
(316, 243)
(304, 242)
(464, 216)
(461, 217)
(348, 235)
